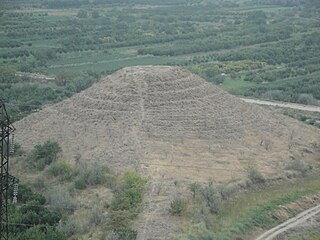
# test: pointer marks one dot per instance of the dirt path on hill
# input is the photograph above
(309, 108)
(291, 223)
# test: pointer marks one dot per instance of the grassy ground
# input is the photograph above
(247, 215)
(304, 235)
(233, 85)
(247, 210)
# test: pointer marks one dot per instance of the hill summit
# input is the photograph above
(171, 126)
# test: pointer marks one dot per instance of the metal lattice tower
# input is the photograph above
(6, 129)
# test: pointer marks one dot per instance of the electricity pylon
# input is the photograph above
(5, 178)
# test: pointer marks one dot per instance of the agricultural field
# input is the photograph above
(262, 49)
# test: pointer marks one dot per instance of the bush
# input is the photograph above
(46, 153)
(178, 207)
(72, 227)
(93, 176)
(125, 205)
(39, 183)
(307, 99)
(212, 197)
(299, 166)
(273, 95)
(80, 183)
(118, 220)
(61, 169)
(97, 175)
(121, 234)
(33, 212)
(96, 217)
(60, 200)
(194, 188)
(255, 176)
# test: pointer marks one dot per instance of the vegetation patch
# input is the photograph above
(32, 219)
(44, 154)
(260, 47)
(244, 212)
(125, 206)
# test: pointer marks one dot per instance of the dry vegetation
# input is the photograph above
(174, 128)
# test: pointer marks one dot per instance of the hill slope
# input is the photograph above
(172, 127)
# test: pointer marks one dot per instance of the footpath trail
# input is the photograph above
(291, 223)
(309, 108)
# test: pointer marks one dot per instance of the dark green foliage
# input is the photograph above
(80, 183)
(46, 153)
(94, 175)
(126, 205)
(26, 195)
(25, 96)
(31, 219)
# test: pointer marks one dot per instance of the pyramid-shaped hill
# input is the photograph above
(144, 115)
(171, 126)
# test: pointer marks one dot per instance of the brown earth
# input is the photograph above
(173, 127)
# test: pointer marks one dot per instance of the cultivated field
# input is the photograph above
(265, 49)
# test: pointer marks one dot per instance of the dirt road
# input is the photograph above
(291, 223)
(309, 108)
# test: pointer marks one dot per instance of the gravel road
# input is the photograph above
(309, 108)
(291, 223)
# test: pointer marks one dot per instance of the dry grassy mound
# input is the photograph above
(171, 126)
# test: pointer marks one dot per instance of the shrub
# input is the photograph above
(118, 220)
(96, 175)
(255, 176)
(134, 180)
(93, 176)
(299, 166)
(80, 183)
(73, 226)
(39, 183)
(96, 217)
(61, 169)
(194, 188)
(33, 212)
(125, 206)
(273, 95)
(307, 99)
(121, 234)
(212, 197)
(46, 153)
(60, 200)
(178, 207)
